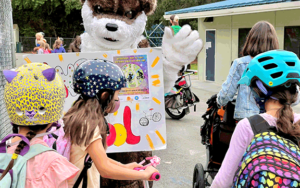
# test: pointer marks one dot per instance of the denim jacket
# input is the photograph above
(245, 103)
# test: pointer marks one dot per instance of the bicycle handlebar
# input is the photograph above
(154, 162)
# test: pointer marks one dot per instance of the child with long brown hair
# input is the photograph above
(34, 97)
(261, 38)
(98, 82)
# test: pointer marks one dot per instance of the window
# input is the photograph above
(292, 39)
(243, 32)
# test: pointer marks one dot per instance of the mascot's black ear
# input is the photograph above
(148, 6)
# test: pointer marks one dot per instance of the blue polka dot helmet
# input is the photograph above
(94, 75)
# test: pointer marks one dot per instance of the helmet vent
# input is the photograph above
(276, 75)
(293, 75)
(270, 66)
(291, 64)
(264, 59)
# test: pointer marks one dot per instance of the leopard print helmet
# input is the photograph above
(34, 95)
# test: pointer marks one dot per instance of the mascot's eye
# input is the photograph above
(42, 110)
(19, 112)
(129, 14)
(97, 9)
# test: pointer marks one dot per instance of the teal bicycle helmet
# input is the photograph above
(273, 68)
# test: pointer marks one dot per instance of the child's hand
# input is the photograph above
(133, 165)
(149, 171)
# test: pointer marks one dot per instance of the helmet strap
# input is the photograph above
(262, 100)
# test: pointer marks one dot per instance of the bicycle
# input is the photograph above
(156, 117)
(154, 161)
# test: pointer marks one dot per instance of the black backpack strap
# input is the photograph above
(259, 124)
(83, 175)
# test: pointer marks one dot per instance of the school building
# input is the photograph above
(223, 27)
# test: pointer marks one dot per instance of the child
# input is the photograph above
(47, 49)
(274, 94)
(33, 108)
(41, 47)
(86, 126)
(39, 37)
(57, 47)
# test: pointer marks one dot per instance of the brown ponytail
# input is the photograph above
(18, 150)
(285, 122)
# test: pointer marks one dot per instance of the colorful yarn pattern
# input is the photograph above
(269, 161)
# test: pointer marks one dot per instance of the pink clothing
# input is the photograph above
(240, 140)
(48, 169)
(47, 51)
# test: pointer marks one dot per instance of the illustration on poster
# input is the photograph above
(136, 71)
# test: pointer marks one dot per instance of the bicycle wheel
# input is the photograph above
(198, 177)
(175, 114)
(156, 117)
(144, 121)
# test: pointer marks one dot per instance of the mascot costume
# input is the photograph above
(119, 24)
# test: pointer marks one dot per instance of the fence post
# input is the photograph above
(7, 60)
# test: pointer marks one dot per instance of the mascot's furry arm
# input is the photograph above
(178, 50)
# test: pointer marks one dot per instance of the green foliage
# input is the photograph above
(63, 17)
(169, 5)
(53, 17)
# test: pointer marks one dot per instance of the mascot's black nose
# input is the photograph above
(112, 27)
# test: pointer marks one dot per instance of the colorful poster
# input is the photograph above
(135, 68)
(139, 124)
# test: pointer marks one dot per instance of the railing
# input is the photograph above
(155, 35)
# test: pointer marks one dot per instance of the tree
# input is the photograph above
(53, 17)
(169, 5)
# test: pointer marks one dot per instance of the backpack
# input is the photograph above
(16, 177)
(270, 160)
(62, 145)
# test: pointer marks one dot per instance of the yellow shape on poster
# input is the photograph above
(150, 142)
(160, 137)
(156, 100)
(155, 62)
(155, 76)
(137, 106)
(60, 57)
(116, 113)
(119, 52)
(121, 134)
(27, 60)
(156, 82)
(105, 55)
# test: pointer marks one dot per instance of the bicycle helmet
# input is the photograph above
(93, 75)
(273, 68)
(34, 94)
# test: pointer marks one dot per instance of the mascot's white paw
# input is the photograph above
(182, 48)
(178, 50)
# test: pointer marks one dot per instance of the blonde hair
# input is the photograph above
(42, 44)
(47, 46)
(41, 37)
(261, 38)
(57, 43)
